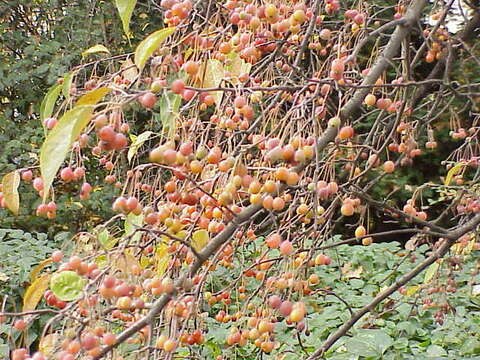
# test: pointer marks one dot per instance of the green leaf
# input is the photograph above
(125, 9)
(10, 183)
(67, 85)
(48, 102)
(436, 351)
(132, 222)
(369, 342)
(148, 46)
(430, 273)
(169, 106)
(59, 141)
(99, 48)
(67, 285)
(214, 74)
(137, 142)
(107, 241)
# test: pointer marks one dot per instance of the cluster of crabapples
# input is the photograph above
(176, 11)
(110, 133)
(260, 327)
(439, 39)
(468, 205)
(67, 175)
(89, 343)
(410, 209)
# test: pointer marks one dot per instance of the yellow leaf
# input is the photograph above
(47, 344)
(93, 97)
(430, 273)
(200, 238)
(125, 9)
(469, 248)
(163, 258)
(144, 262)
(35, 291)
(149, 45)
(37, 269)
(412, 290)
(102, 261)
(99, 48)
(237, 66)
(454, 171)
(10, 183)
(213, 76)
(125, 262)
(188, 53)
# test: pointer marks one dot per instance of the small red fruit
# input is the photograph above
(148, 100)
(178, 86)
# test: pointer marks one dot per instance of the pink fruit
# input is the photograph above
(148, 100)
(285, 308)
(286, 247)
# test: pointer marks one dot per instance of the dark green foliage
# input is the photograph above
(40, 42)
(400, 328)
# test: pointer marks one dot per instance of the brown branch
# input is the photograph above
(470, 31)
(306, 39)
(383, 206)
(294, 88)
(26, 313)
(373, 34)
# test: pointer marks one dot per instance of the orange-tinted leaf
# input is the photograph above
(10, 182)
(35, 291)
(214, 74)
(37, 269)
(125, 262)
